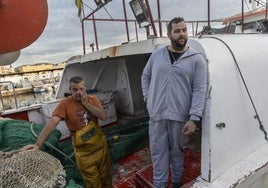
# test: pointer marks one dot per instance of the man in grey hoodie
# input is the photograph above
(174, 85)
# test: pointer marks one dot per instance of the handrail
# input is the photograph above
(14, 94)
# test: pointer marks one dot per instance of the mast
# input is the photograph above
(159, 18)
(125, 16)
(151, 17)
(266, 9)
(242, 18)
(209, 13)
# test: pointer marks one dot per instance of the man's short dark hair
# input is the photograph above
(174, 21)
(76, 80)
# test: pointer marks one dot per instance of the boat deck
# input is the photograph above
(135, 170)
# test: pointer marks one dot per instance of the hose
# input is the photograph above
(256, 116)
(51, 146)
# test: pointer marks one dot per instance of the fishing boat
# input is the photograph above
(231, 148)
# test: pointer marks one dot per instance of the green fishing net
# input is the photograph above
(122, 139)
(127, 138)
(14, 134)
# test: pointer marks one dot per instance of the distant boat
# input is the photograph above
(254, 21)
(39, 89)
(7, 93)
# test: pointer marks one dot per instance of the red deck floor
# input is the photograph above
(135, 171)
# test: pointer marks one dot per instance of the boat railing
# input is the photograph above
(14, 94)
(143, 20)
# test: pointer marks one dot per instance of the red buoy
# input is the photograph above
(21, 23)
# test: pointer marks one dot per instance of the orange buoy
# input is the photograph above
(21, 23)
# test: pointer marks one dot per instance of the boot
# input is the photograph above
(176, 185)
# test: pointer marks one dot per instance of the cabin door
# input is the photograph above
(123, 95)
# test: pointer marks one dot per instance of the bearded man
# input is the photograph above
(174, 85)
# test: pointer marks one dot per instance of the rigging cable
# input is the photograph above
(243, 80)
(51, 146)
(88, 6)
(247, 5)
(259, 2)
(108, 13)
(102, 7)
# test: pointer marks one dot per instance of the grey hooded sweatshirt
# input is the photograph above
(175, 91)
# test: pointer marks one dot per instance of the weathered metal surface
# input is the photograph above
(132, 48)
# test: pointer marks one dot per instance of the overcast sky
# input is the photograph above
(62, 36)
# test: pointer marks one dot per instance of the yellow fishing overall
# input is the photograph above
(92, 156)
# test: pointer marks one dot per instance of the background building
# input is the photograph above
(27, 75)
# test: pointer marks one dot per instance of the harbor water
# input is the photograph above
(25, 99)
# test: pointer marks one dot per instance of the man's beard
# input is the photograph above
(178, 46)
(77, 97)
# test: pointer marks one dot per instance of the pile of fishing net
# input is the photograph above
(122, 140)
(31, 169)
(127, 138)
(14, 134)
